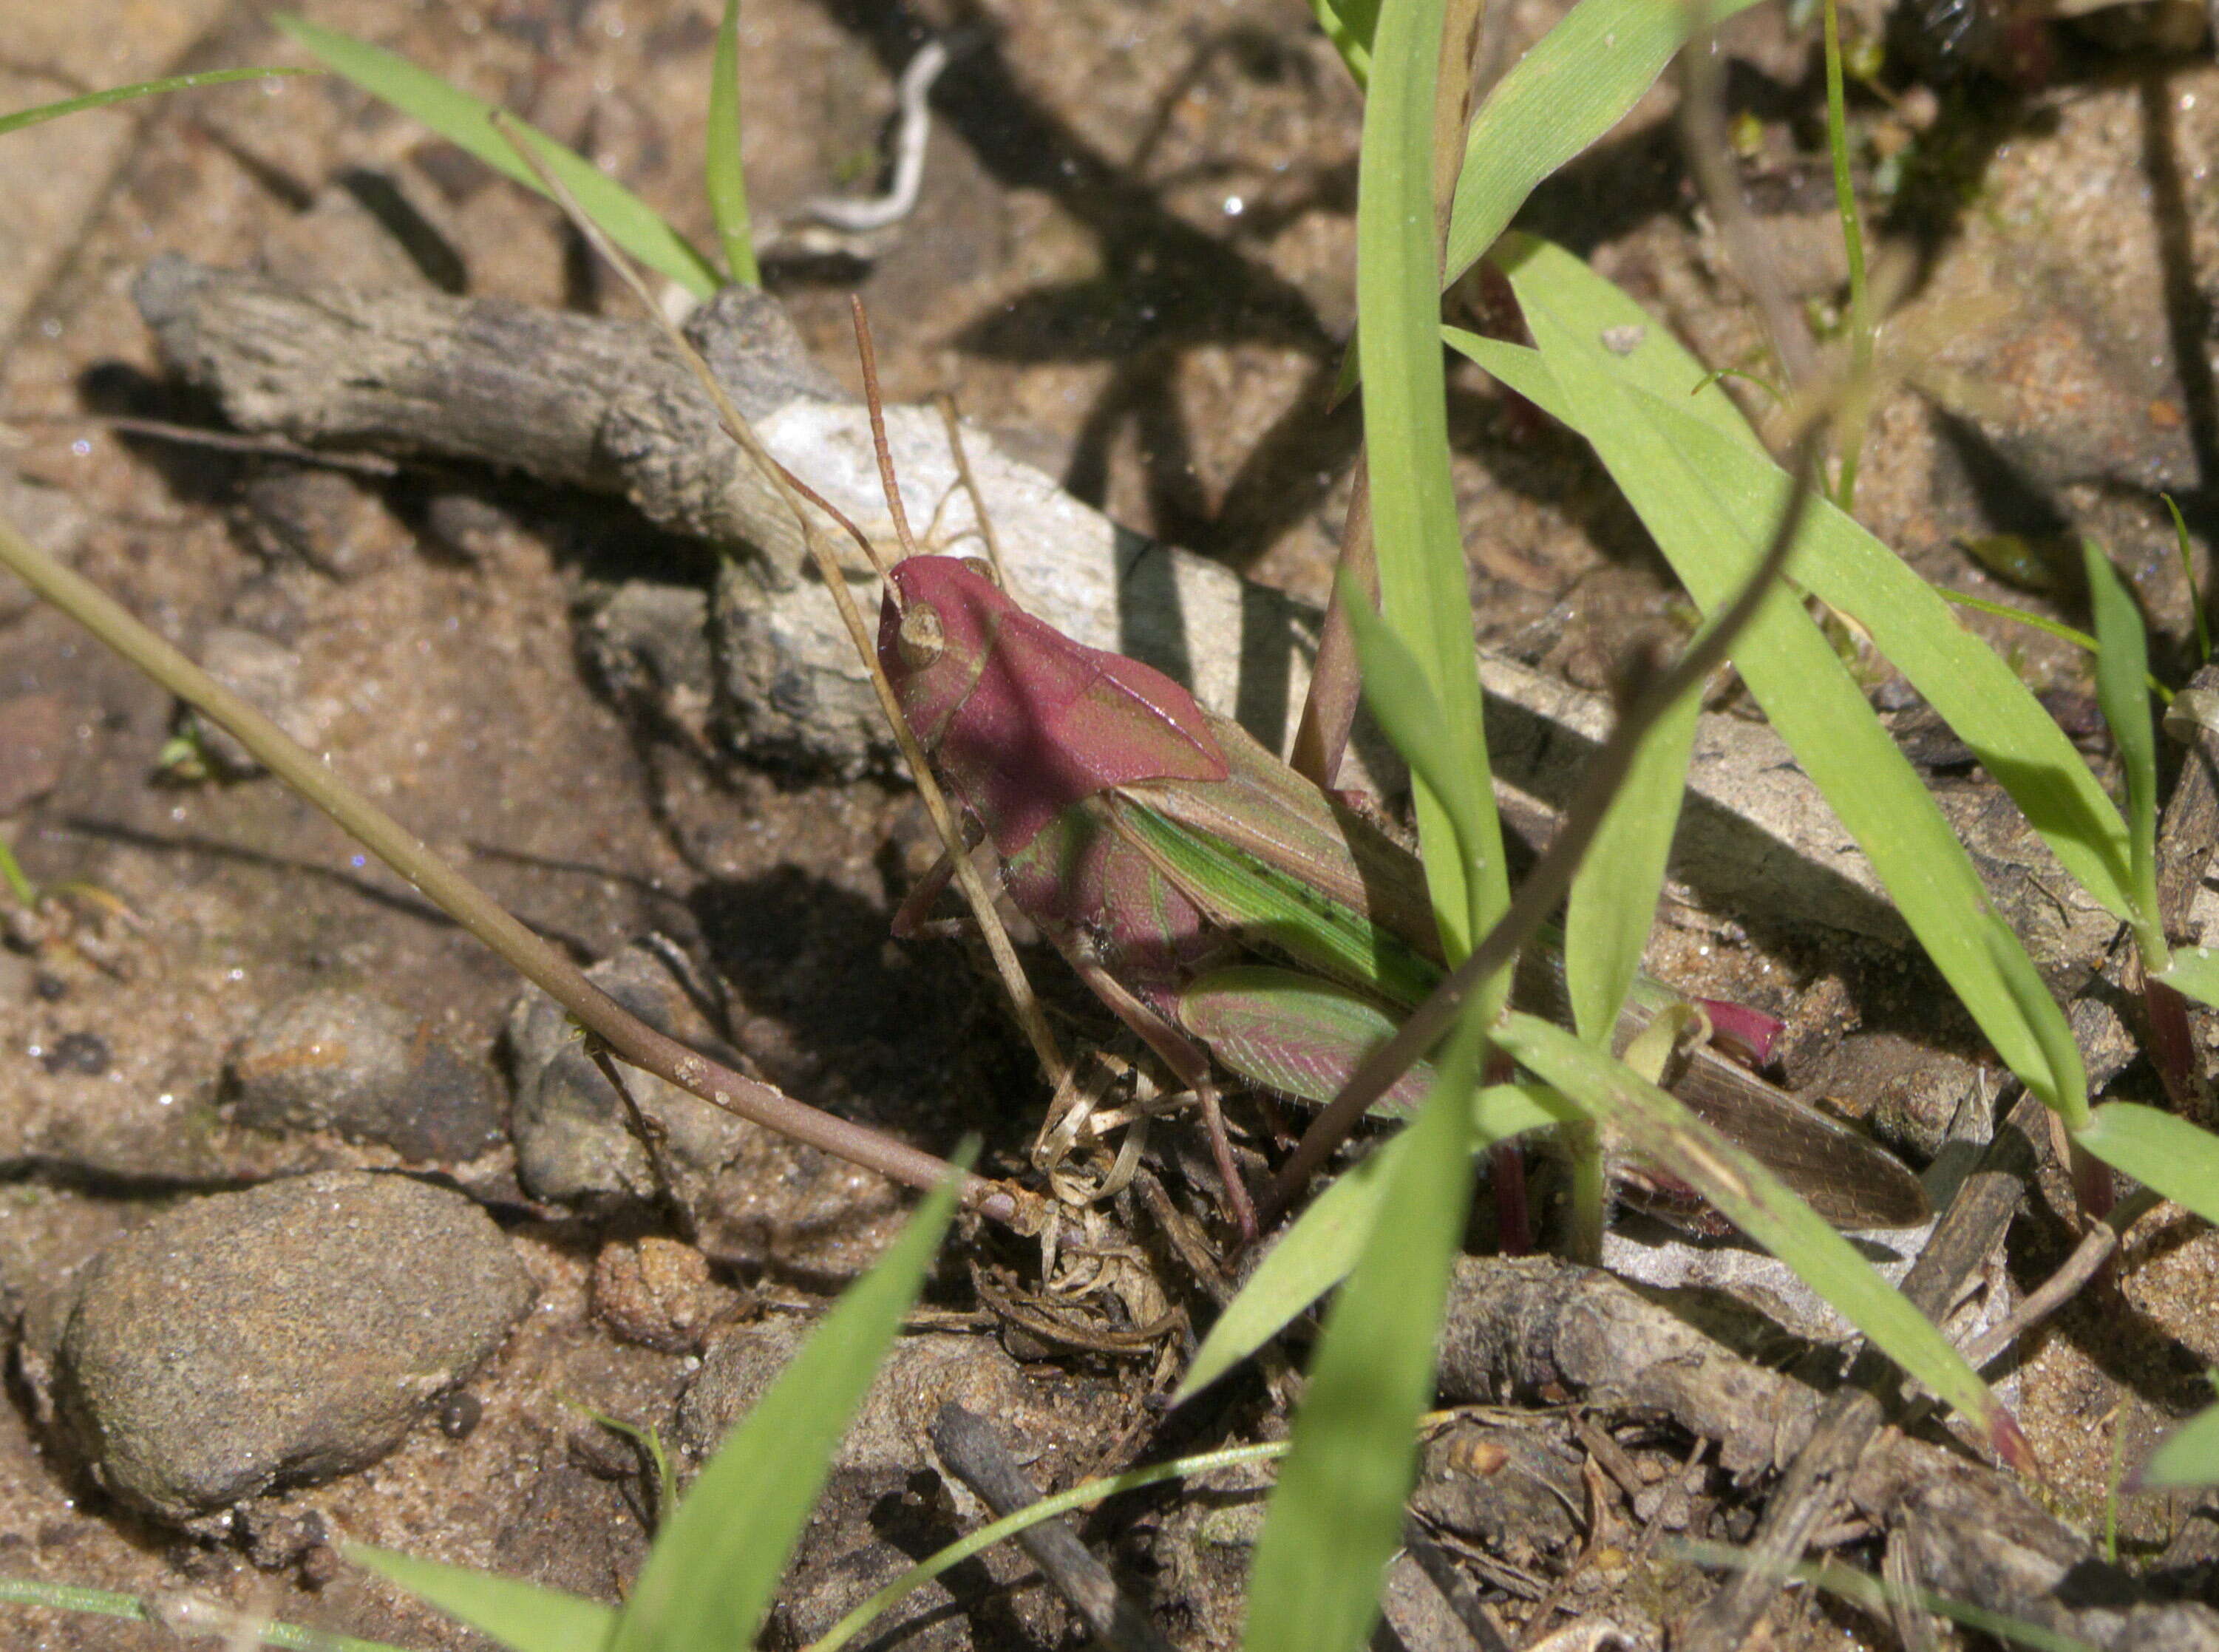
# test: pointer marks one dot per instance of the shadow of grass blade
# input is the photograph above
(464, 120)
(1335, 1518)
(726, 179)
(1317, 1252)
(1657, 1128)
(1583, 77)
(527, 1617)
(1676, 472)
(709, 1579)
(1838, 561)
(31, 117)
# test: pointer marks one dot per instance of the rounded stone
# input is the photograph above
(288, 1333)
(331, 1060)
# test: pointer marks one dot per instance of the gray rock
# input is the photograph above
(288, 1334)
(648, 644)
(331, 1060)
(748, 1196)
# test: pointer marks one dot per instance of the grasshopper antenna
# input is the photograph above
(1023, 1000)
(869, 355)
(945, 403)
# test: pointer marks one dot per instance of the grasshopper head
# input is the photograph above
(1021, 720)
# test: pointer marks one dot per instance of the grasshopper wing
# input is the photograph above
(1299, 1035)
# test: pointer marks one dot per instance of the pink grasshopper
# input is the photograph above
(1220, 905)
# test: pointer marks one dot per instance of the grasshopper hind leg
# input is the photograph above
(1189, 1064)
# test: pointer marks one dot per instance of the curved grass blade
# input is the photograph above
(727, 181)
(465, 121)
(2190, 1457)
(1317, 1252)
(1678, 474)
(1335, 1518)
(2158, 1149)
(528, 1617)
(1613, 902)
(31, 117)
(1657, 1128)
(1349, 24)
(1837, 561)
(1581, 79)
(708, 1580)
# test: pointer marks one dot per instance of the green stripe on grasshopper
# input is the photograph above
(1266, 907)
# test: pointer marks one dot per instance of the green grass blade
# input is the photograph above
(1085, 1494)
(464, 121)
(529, 1616)
(1335, 1518)
(1614, 898)
(2196, 598)
(1424, 584)
(2195, 974)
(1581, 79)
(1412, 717)
(1349, 24)
(1680, 474)
(180, 1617)
(1837, 561)
(2121, 666)
(2159, 1150)
(727, 180)
(710, 1577)
(1316, 1253)
(31, 117)
(2190, 1457)
(1656, 1127)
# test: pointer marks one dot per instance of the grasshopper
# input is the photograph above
(1223, 907)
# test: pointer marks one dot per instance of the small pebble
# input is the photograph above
(84, 1052)
(458, 1415)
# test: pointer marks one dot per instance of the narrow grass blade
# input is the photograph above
(1660, 1130)
(2196, 598)
(709, 1579)
(529, 1616)
(1085, 1494)
(31, 117)
(182, 1615)
(2190, 1457)
(1317, 1252)
(1678, 474)
(1583, 78)
(727, 181)
(464, 120)
(1613, 899)
(1838, 561)
(1425, 587)
(1349, 25)
(2159, 1150)
(1335, 1518)
(2121, 666)
(1412, 717)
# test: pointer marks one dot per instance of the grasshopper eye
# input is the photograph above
(983, 569)
(920, 639)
